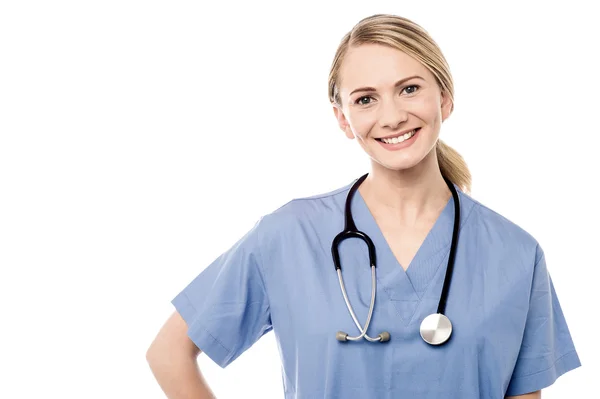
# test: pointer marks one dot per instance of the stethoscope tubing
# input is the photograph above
(350, 231)
(450, 269)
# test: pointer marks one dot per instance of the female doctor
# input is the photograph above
(426, 293)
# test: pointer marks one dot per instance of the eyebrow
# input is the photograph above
(398, 83)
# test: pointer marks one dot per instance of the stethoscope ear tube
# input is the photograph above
(342, 336)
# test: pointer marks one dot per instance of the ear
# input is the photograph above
(342, 121)
(446, 106)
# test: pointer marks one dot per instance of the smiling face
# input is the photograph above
(384, 93)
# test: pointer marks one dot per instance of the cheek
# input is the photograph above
(362, 122)
(431, 109)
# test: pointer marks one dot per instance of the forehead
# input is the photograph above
(378, 65)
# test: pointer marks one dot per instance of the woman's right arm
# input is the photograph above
(172, 357)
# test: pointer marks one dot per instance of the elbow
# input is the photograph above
(156, 353)
(159, 361)
(151, 355)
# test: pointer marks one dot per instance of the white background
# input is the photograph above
(140, 139)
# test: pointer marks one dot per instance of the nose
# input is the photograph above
(391, 114)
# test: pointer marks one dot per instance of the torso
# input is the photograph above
(487, 303)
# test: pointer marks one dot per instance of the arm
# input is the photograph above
(172, 357)
(532, 395)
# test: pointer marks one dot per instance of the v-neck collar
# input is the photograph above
(406, 288)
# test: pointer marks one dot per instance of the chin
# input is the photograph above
(405, 161)
(398, 166)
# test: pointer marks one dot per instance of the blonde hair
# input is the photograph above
(403, 34)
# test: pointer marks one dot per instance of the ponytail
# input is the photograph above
(453, 166)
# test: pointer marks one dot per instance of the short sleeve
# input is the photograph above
(226, 307)
(547, 350)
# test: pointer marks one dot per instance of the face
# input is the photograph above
(378, 101)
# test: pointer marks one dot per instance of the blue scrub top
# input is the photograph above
(509, 333)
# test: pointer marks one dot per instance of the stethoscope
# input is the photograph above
(435, 328)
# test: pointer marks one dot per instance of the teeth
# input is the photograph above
(399, 139)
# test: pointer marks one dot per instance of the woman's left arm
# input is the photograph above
(532, 395)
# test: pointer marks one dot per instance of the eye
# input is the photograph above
(416, 86)
(364, 100)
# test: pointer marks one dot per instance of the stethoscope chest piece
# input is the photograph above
(436, 329)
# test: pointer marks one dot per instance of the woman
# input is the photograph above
(502, 331)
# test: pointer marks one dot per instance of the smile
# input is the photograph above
(400, 138)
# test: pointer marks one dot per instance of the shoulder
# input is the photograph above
(504, 234)
(305, 210)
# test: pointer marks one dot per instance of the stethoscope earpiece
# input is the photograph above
(384, 336)
(343, 337)
(436, 328)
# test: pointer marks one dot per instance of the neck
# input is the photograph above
(411, 195)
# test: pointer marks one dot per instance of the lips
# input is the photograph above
(399, 134)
